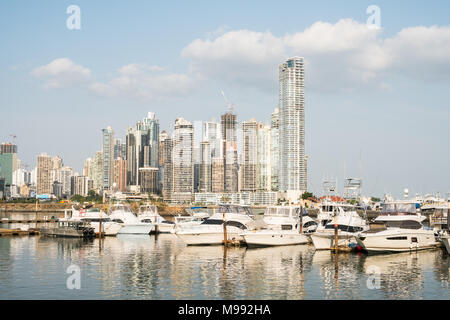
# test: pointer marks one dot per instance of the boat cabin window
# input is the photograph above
(309, 224)
(399, 208)
(286, 227)
(212, 221)
(407, 224)
(95, 219)
(236, 224)
(397, 238)
(117, 220)
(278, 212)
(344, 228)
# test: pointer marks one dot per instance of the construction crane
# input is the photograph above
(14, 137)
(229, 105)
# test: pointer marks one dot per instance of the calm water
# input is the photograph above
(162, 267)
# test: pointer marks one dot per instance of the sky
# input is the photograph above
(376, 99)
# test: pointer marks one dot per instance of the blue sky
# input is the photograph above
(376, 101)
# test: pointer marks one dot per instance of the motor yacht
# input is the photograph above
(348, 221)
(149, 214)
(398, 228)
(227, 223)
(122, 214)
(196, 216)
(281, 226)
(93, 216)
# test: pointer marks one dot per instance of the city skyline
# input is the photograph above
(379, 113)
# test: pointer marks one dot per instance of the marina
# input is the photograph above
(163, 267)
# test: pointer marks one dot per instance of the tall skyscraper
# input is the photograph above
(142, 147)
(108, 157)
(263, 173)
(120, 149)
(183, 161)
(292, 166)
(230, 155)
(120, 174)
(98, 171)
(249, 155)
(205, 167)
(44, 168)
(274, 149)
(165, 165)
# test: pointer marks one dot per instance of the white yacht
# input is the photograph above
(149, 214)
(122, 214)
(196, 216)
(281, 226)
(399, 229)
(93, 216)
(348, 221)
(212, 230)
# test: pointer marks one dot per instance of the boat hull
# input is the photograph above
(136, 229)
(325, 241)
(210, 238)
(398, 242)
(267, 239)
(109, 229)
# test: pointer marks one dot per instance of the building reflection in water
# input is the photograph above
(162, 267)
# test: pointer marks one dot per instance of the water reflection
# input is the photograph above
(162, 267)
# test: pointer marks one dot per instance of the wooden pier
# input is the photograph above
(18, 232)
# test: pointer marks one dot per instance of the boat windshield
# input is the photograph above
(279, 212)
(234, 209)
(399, 208)
(406, 224)
(148, 208)
(121, 207)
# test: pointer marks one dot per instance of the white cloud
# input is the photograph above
(61, 72)
(345, 55)
(144, 82)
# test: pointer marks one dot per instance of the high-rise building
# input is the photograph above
(183, 161)
(165, 165)
(213, 134)
(8, 164)
(263, 172)
(148, 180)
(205, 167)
(120, 149)
(217, 175)
(142, 147)
(98, 171)
(230, 155)
(292, 166)
(120, 174)
(108, 157)
(82, 185)
(8, 148)
(274, 148)
(249, 155)
(64, 176)
(44, 179)
(88, 168)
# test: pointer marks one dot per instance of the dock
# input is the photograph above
(18, 232)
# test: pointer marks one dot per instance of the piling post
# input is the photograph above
(335, 234)
(225, 241)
